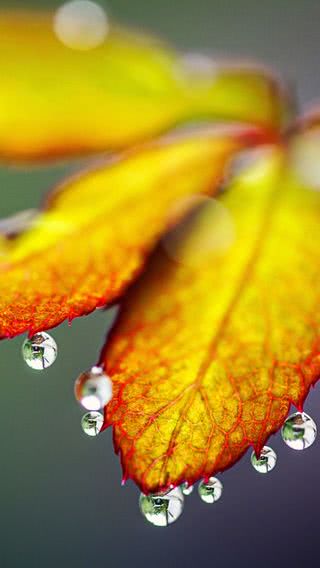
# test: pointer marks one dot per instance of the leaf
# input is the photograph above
(56, 101)
(3, 246)
(97, 230)
(206, 359)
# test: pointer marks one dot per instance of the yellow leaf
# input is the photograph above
(207, 357)
(57, 101)
(98, 229)
(3, 246)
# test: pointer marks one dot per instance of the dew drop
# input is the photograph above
(40, 351)
(81, 24)
(266, 461)
(210, 491)
(299, 431)
(162, 509)
(186, 489)
(92, 423)
(93, 389)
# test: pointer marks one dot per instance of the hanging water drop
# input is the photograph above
(266, 461)
(299, 431)
(186, 489)
(93, 389)
(92, 423)
(162, 509)
(40, 351)
(210, 491)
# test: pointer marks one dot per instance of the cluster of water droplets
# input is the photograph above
(298, 432)
(93, 388)
(163, 509)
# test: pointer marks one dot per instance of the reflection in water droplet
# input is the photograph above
(299, 431)
(186, 489)
(92, 423)
(304, 154)
(162, 509)
(210, 491)
(93, 389)
(40, 351)
(266, 461)
(207, 230)
(81, 24)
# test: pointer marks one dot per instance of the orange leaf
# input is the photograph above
(57, 101)
(97, 230)
(207, 356)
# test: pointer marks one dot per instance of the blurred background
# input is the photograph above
(61, 500)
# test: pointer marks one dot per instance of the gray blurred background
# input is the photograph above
(61, 502)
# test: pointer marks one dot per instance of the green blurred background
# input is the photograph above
(61, 503)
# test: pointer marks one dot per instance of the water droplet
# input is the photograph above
(93, 389)
(299, 431)
(207, 231)
(162, 509)
(186, 489)
(266, 461)
(92, 423)
(210, 491)
(40, 351)
(81, 24)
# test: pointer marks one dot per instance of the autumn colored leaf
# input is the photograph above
(3, 246)
(57, 101)
(206, 357)
(98, 228)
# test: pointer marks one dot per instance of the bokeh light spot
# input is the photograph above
(81, 24)
(208, 230)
